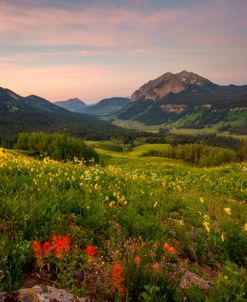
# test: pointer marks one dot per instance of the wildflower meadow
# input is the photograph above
(127, 229)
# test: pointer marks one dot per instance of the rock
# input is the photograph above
(40, 293)
(191, 279)
(188, 279)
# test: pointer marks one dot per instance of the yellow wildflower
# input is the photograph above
(228, 211)
(244, 228)
(201, 200)
(111, 203)
(222, 237)
(206, 225)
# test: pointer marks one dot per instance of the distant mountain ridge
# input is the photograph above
(104, 107)
(11, 101)
(33, 113)
(74, 105)
(180, 100)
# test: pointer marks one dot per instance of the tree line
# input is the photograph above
(56, 146)
(199, 154)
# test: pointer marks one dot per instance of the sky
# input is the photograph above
(95, 49)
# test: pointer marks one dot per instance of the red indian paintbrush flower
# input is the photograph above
(47, 248)
(169, 249)
(37, 249)
(117, 279)
(60, 246)
(90, 251)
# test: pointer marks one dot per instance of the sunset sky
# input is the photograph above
(93, 49)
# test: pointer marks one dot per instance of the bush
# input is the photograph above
(56, 146)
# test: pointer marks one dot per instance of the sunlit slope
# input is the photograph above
(135, 152)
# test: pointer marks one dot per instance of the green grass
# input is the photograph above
(133, 153)
(175, 127)
(231, 118)
(130, 157)
(127, 208)
(129, 124)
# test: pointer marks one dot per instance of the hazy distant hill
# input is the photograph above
(187, 99)
(108, 106)
(102, 108)
(74, 105)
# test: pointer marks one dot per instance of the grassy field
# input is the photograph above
(132, 154)
(129, 230)
(174, 127)
(128, 124)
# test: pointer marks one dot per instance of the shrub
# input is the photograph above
(56, 146)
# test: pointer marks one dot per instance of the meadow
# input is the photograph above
(177, 127)
(128, 229)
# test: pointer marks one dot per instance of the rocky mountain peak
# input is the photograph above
(168, 83)
(191, 78)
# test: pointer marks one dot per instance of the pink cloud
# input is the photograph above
(206, 38)
(144, 52)
(108, 26)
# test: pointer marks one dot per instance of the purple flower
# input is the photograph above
(80, 276)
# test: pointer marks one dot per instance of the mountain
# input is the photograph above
(170, 83)
(188, 100)
(74, 105)
(33, 113)
(102, 108)
(12, 102)
(107, 106)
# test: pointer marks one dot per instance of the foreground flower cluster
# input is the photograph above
(60, 248)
